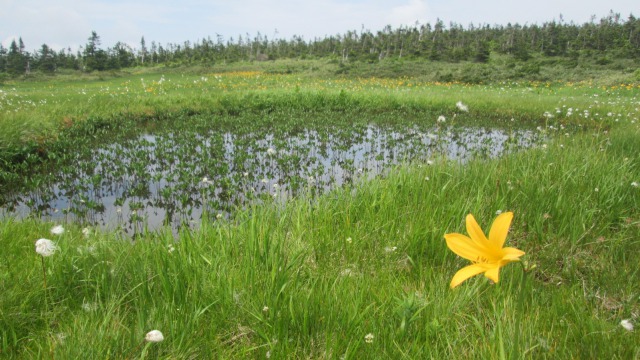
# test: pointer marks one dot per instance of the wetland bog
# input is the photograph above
(292, 216)
(178, 173)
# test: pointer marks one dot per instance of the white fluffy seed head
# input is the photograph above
(57, 230)
(368, 338)
(154, 336)
(45, 247)
(462, 107)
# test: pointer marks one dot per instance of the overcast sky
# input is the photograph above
(68, 23)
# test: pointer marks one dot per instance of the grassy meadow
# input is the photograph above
(360, 272)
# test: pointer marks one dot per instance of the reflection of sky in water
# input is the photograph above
(157, 179)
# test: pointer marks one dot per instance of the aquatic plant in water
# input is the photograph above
(215, 165)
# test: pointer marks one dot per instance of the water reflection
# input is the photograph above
(176, 177)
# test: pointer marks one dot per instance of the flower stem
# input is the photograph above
(46, 308)
(44, 275)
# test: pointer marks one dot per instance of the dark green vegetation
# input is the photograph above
(528, 48)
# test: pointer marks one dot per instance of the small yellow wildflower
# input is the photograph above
(487, 255)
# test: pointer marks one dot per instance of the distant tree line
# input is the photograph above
(611, 36)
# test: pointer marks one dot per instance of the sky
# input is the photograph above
(69, 23)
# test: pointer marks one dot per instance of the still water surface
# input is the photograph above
(176, 177)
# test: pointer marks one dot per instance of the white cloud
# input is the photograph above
(66, 23)
(44, 23)
(314, 19)
(290, 18)
(408, 14)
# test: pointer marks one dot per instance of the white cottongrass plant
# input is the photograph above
(57, 230)
(46, 247)
(154, 336)
(626, 323)
(462, 107)
(369, 338)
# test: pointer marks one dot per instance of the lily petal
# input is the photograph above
(464, 247)
(500, 228)
(475, 231)
(477, 235)
(467, 272)
(493, 273)
(511, 253)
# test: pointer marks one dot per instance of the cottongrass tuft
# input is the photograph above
(462, 107)
(206, 181)
(45, 247)
(368, 338)
(154, 336)
(89, 307)
(57, 230)
(626, 323)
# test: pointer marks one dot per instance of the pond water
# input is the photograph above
(176, 177)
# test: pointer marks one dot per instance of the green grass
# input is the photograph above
(285, 279)
(311, 278)
(35, 115)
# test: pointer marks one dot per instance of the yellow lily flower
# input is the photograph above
(487, 255)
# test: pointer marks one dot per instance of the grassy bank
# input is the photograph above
(315, 278)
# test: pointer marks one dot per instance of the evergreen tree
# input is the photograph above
(123, 56)
(482, 51)
(16, 61)
(612, 37)
(3, 59)
(94, 57)
(143, 50)
(46, 59)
